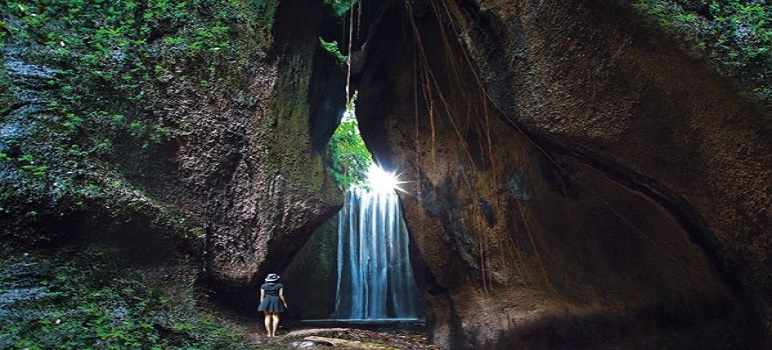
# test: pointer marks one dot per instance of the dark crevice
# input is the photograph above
(327, 99)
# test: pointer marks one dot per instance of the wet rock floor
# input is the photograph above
(341, 338)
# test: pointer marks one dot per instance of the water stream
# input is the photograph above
(374, 275)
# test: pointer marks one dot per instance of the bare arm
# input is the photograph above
(281, 296)
(262, 294)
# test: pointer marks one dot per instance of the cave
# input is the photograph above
(572, 174)
(529, 233)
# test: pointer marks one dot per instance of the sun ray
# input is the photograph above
(380, 180)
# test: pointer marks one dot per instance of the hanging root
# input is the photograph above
(427, 82)
(458, 31)
(417, 129)
(430, 85)
(349, 54)
(539, 259)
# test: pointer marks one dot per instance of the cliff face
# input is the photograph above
(276, 191)
(575, 178)
(642, 111)
(217, 151)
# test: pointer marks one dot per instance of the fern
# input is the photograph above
(332, 48)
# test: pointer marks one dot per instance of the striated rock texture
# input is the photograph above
(274, 190)
(575, 181)
(237, 172)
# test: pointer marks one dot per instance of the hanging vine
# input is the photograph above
(428, 83)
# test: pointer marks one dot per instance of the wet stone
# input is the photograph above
(306, 344)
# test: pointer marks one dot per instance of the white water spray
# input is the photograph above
(375, 277)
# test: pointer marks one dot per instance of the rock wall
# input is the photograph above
(240, 179)
(311, 277)
(642, 110)
(274, 191)
(575, 181)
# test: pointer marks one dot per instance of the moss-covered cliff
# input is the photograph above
(166, 126)
(582, 174)
(92, 109)
(182, 119)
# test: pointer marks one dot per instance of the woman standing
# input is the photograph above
(272, 302)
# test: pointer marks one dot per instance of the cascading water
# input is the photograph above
(375, 277)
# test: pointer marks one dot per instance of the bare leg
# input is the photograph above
(275, 325)
(267, 322)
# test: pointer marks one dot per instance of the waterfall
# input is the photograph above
(375, 277)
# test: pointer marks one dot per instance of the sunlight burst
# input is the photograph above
(381, 180)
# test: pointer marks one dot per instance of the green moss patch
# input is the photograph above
(735, 35)
(89, 299)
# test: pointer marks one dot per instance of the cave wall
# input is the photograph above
(644, 110)
(531, 227)
(239, 181)
(275, 189)
(311, 277)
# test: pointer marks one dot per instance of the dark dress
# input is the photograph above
(271, 301)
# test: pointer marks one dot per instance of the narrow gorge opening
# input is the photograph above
(518, 174)
(356, 267)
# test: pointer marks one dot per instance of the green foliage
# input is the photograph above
(734, 34)
(106, 66)
(111, 55)
(29, 166)
(90, 300)
(332, 48)
(340, 7)
(349, 157)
